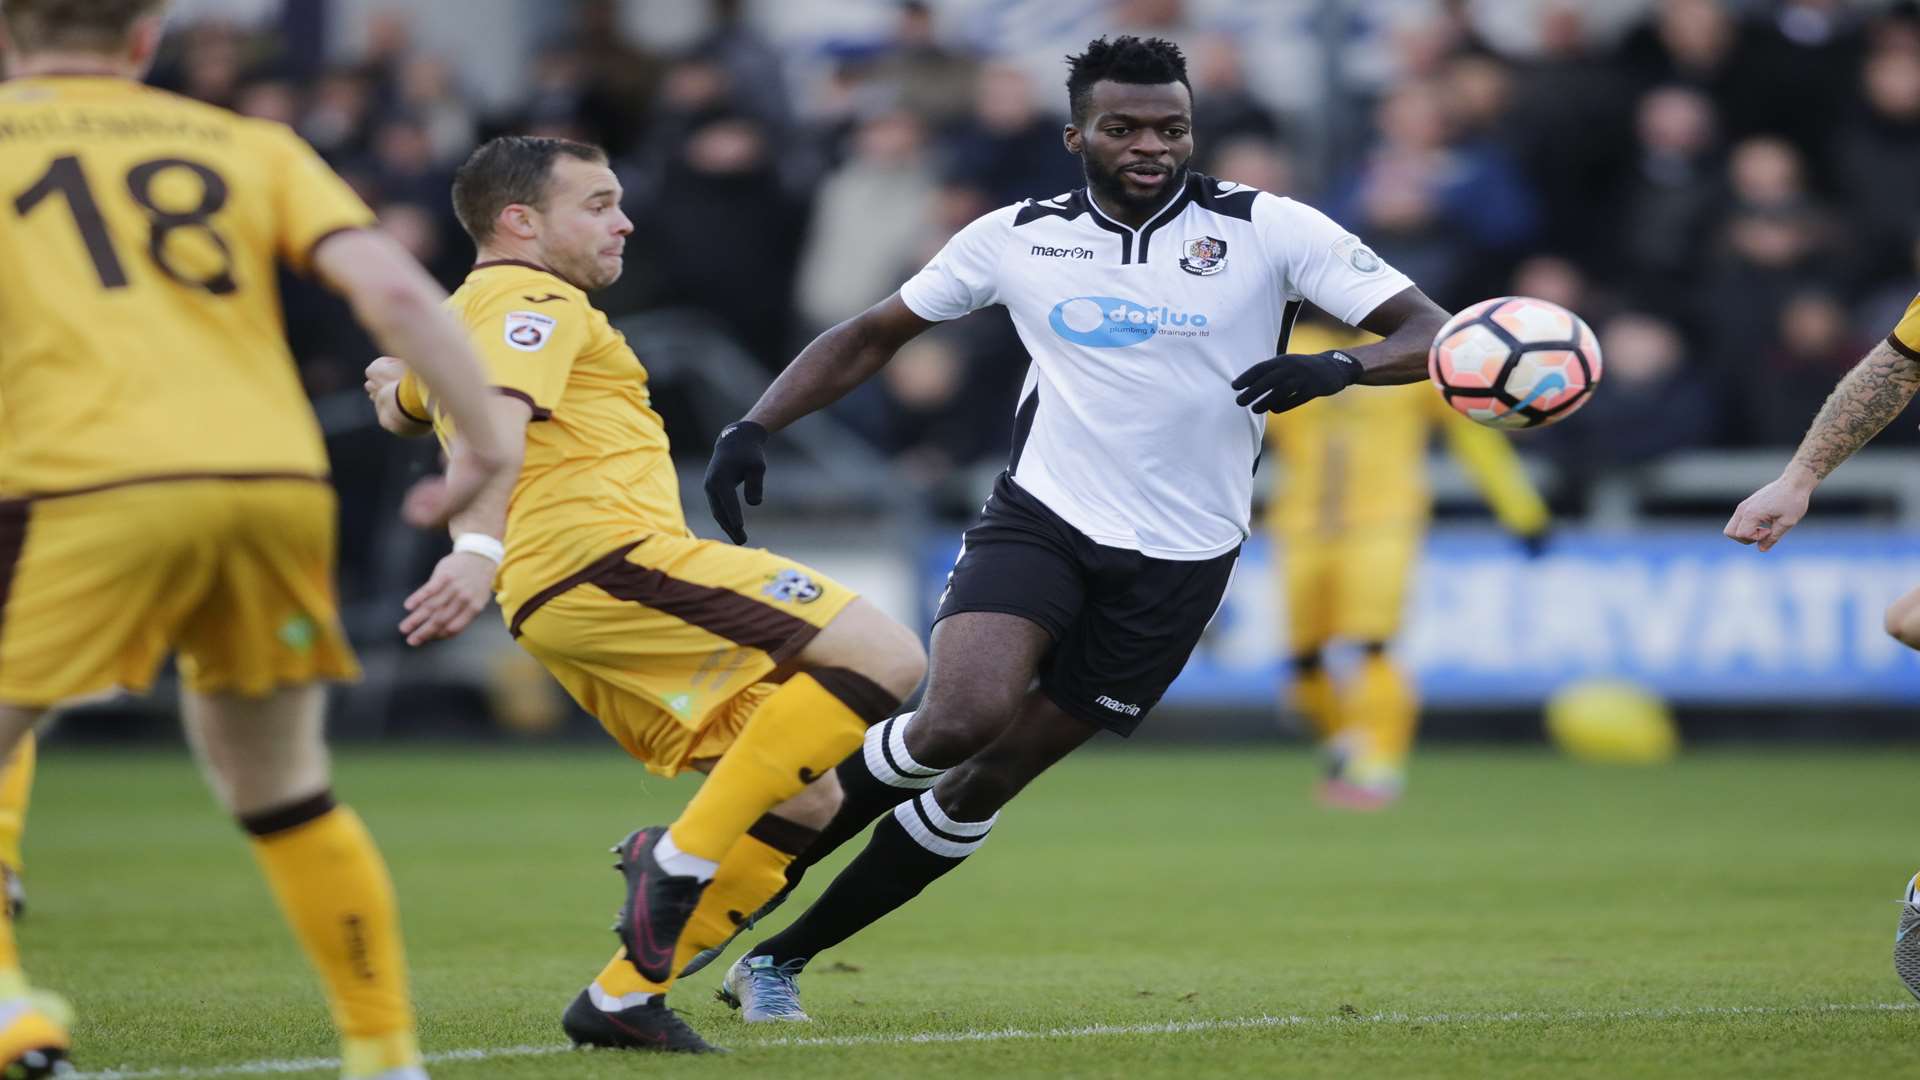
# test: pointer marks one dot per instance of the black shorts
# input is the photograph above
(1123, 623)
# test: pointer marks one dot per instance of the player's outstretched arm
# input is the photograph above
(1865, 401)
(823, 373)
(1406, 323)
(462, 581)
(400, 306)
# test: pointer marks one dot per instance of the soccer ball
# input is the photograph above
(1515, 362)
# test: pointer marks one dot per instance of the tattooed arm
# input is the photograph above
(1867, 400)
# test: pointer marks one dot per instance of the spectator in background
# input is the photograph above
(1879, 162)
(404, 167)
(755, 70)
(722, 236)
(1814, 345)
(1698, 43)
(427, 92)
(1256, 162)
(1885, 304)
(926, 410)
(270, 99)
(1009, 150)
(1805, 55)
(1564, 117)
(1449, 216)
(1670, 200)
(867, 222)
(935, 83)
(1654, 404)
(618, 78)
(1775, 242)
(336, 120)
(1220, 92)
(1558, 280)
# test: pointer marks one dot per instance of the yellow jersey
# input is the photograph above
(1358, 459)
(140, 327)
(1906, 334)
(597, 473)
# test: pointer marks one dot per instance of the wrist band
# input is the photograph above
(481, 544)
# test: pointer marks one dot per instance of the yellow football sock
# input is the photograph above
(334, 890)
(619, 981)
(1380, 699)
(16, 787)
(805, 728)
(753, 871)
(1313, 695)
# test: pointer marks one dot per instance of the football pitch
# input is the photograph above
(1142, 911)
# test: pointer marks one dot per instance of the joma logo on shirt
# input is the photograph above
(1060, 252)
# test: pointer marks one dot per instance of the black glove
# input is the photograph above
(1284, 382)
(739, 455)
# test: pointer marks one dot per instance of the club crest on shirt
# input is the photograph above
(1205, 256)
(528, 331)
(792, 587)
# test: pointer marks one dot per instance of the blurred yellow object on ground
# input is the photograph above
(1612, 721)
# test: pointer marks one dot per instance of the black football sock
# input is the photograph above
(881, 776)
(910, 848)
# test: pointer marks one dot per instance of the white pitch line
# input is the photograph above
(1171, 1027)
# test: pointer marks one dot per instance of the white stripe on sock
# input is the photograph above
(891, 736)
(606, 1002)
(910, 820)
(946, 824)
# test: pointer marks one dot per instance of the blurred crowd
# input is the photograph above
(1725, 190)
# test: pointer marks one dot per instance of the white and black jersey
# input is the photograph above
(1127, 427)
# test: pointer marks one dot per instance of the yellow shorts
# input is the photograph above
(97, 588)
(670, 642)
(1351, 587)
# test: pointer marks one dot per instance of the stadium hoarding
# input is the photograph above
(1690, 614)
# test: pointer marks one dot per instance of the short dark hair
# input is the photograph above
(1126, 59)
(507, 170)
(74, 24)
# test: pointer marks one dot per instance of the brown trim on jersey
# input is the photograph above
(175, 478)
(314, 248)
(539, 412)
(515, 262)
(720, 612)
(581, 577)
(398, 403)
(13, 538)
(1901, 347)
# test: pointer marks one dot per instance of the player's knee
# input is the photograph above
(865, 640)
(957, 721)
(898, 659)
(1903, 620)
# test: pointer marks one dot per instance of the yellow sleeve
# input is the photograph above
(1905, 338)
(529, 351)
(311, 202)
(411, 396)
(1488, 458)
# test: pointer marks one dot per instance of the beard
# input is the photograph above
(1108, 184)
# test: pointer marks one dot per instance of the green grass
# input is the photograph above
(1617, 917)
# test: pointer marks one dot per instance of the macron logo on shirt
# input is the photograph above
(1051, 252)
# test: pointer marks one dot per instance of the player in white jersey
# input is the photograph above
(1107, 544)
